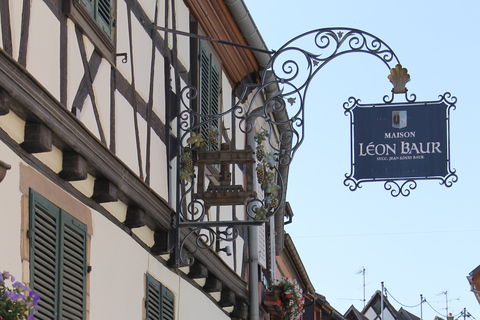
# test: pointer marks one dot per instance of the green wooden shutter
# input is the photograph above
(168, 304)
(215, 90)
(57, 261)
(153, 306)
(159, 302)
(103, 15)
(204, 89)
(89, 5)
(44, 254)
(209, 93)
(73, 268)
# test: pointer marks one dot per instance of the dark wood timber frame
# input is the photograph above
(83, 152)
(32, 103)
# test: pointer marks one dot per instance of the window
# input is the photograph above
(160, 301)
(58, 257)
(96, 19)
(101, 11)
(209, 94)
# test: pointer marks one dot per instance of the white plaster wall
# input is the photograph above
(117, 280)
(158, 166)
(75, 65)
(183, 24)
(193, 305)
(125, 133)
(161, 17)
(149, 7)
(101, 89)
(13, 126)
(123, 42)
(142, 57)
(16, 8)
(159, 87)
(10, 217)
(166, 277)
(43, 52)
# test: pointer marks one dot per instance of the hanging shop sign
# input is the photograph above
(399, 143)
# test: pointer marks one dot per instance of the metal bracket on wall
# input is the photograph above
(289, 71)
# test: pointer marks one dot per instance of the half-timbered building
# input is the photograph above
(96, 156)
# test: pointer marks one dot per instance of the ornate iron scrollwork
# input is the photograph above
(287, 76)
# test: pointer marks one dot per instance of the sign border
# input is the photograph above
(399, 185)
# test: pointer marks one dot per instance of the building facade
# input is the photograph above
(92, 104)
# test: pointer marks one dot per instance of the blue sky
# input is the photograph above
(422, 244)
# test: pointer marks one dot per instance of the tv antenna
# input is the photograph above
(362, 272)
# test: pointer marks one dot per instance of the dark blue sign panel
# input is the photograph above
(400, 141)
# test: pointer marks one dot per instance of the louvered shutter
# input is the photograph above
(58, 247)
(168, 304)
(215, 98)
(159, 302)
(73, 268)
(44, 255)
(204, 89)
(153, 306)
(89, 5)
(209, 93)
(103, 15)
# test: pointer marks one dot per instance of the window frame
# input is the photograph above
(57, 251)
(85, 19)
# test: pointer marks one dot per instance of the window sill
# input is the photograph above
(82, 19)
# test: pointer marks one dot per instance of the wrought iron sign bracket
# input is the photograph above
(206, 164)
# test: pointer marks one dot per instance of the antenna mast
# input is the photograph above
(362, 271)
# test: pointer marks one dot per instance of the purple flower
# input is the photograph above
(12, 295)
(34, 296)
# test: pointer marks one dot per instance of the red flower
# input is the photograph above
(289, 295)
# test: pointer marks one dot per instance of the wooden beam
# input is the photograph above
(74, 167)
(38, 138)
(212, 284)
(104, 191)
(240, 311)
(4, 103)
(227, 298)
(161, 243)
(135, 217)
(198, 270)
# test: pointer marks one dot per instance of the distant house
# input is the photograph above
(373, 310)
(474, 280)
(90, 106)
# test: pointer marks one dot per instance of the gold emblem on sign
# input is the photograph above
(399, 77)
